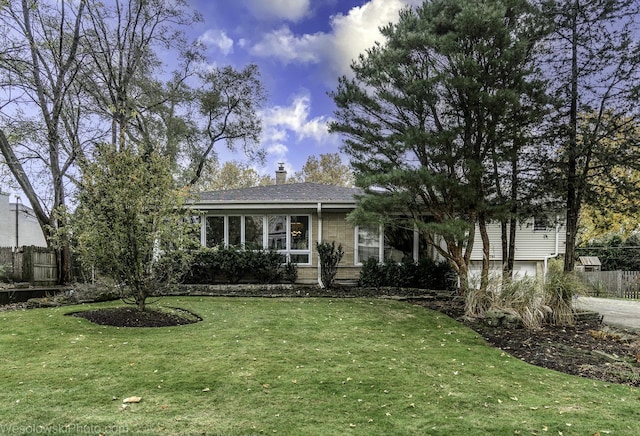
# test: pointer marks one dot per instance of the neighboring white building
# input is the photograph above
(538, 240)
(26, 224)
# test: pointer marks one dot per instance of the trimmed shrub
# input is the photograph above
(425, 274)
(232, 265)
(330, 257)
(290, 273)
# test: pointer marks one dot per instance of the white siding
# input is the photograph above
(531, 245)
(29, 231)
(6, 231)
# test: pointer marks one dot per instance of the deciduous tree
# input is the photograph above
(595, 65)
(327, 169)
(40, 60)
(129, 213)
(232, 175)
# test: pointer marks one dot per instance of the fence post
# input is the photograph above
(619, 292)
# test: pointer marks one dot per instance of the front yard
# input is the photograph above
(287, 366)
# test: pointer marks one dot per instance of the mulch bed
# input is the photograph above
(131, 317)
(587, 349)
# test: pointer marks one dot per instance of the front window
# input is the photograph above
(398, 243)
(278, 232)
(299, 232)
(215, 231)
(253, 231)
(393, 244)
(290, 235)
(368, 244)
(540, 223)
(235, 231)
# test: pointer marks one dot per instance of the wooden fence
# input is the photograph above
(36, 265)
(618, 284)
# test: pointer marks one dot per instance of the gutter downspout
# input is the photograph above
(555, 254)
(319, 211)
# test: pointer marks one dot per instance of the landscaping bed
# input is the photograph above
(588, 349)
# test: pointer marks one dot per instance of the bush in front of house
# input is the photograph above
(234, 265)
(330, 256)
(425, 274)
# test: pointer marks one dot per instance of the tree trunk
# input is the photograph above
(511, 255)
(486, 252)
(572, 150)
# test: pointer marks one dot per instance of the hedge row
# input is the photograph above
(425, 274)
(232, 265)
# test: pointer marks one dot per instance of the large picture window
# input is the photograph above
(253, 232)
(214, 231)
(398, 243)
(288, 234)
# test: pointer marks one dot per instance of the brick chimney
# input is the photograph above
(281, 174)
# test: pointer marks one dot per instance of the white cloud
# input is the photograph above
(290, 10)
(350, 36)
(219, 39)
(277, 150)
(288, 48)
(359, 30)
(279, 120)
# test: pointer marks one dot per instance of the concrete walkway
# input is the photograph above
(619, 313)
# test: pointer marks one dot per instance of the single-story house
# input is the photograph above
(292, 217)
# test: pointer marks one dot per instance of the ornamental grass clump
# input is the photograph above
(533, 301)
(559, 288)
(524, 298)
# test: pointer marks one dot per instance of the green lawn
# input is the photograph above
(288, 366)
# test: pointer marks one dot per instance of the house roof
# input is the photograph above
(589, 261)
(288, 193)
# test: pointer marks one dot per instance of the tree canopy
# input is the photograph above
(431, 110)
(76, 74)
(327, 169)
(129, 212)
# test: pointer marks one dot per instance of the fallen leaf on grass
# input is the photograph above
(132, 400)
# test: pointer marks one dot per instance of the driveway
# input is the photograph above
(620, 313)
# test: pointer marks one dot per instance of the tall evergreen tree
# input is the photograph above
(427, 110)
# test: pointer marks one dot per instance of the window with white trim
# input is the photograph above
(367, 244)
(214, 229)
(391, 244)
(290, 235)
(541, 223)
(253, 231)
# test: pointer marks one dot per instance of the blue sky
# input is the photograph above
(301, 48)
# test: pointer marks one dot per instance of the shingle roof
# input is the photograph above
(288, 192)
(590, 261)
